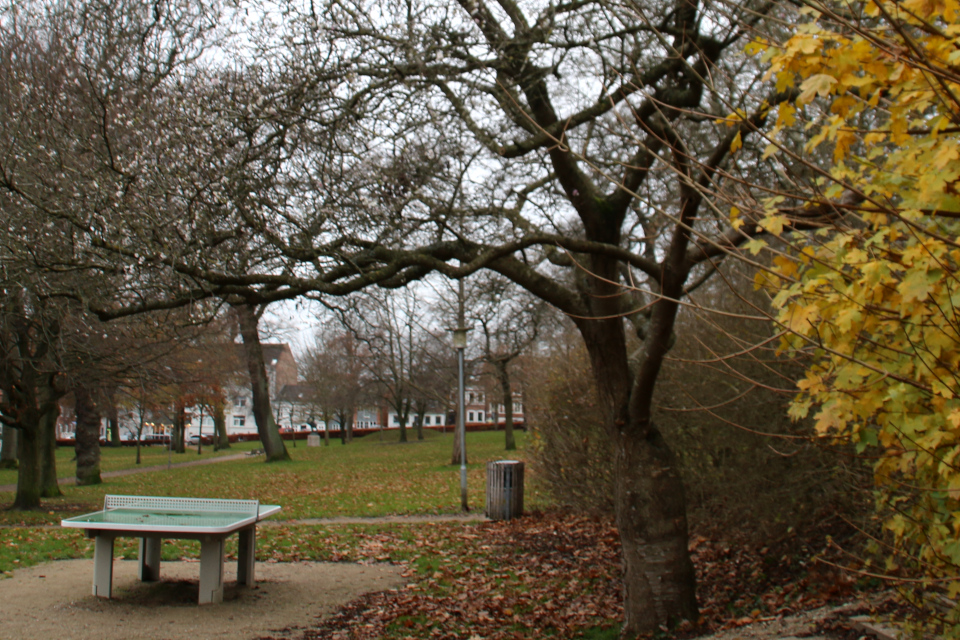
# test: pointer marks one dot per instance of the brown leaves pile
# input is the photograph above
(538, 574)
(741, 582)
(558, 575)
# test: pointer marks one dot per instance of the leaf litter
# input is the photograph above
(558, 574)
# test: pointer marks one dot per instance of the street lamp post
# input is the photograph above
(460, 343)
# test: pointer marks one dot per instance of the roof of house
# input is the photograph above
(272, 352)
(297, 393)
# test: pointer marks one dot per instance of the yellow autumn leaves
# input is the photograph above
(875, 299)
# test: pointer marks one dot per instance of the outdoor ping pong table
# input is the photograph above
(154, 519)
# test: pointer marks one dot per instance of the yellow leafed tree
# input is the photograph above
(875, 298)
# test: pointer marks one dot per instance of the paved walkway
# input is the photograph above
(129, 472)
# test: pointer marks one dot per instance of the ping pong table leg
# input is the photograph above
(211, 570)
(149, 559)
(103, 566)
(247, 557)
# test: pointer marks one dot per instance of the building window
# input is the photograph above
(239, 421)
(470, 417)
(426, 419)
(241, 401)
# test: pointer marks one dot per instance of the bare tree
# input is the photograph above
(335, 371)
(390, 328)
(248, 318)
(585, 151)
(68, 73)
(434, 375)
(574, 149)
(32, 385)
(511, 321)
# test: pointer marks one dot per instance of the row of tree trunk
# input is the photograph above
(31, 407)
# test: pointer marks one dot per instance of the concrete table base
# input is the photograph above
(211, 560)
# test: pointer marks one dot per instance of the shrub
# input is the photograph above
(717, 413)
(571, 448)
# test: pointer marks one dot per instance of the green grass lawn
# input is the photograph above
(120, 458)
(371, 476)
(368, 477)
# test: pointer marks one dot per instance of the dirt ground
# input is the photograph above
(53, 601)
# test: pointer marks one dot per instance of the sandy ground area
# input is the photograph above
(53, 601)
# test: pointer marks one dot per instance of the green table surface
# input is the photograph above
(171, 521)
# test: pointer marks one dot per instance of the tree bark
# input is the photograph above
(273, 446)
(87, 441)
(221, 441)
(178, 433)
(403, 414)
(503, 377)
(28, 473)
(50, 484)
(421, 413)
(38, 409)
(659, 581)
(37, 473)
(113, 420)
(8, 454)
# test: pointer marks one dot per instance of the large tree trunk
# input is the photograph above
(29, 473)
(221, 441)
(421, 414)
(273, 446)
(403, 414)
(50, 484)
(37, 473)
(178, 433)
(113, 419)
(87, 444)
(503, 377)
(37, 446)
(8, 454)
(659, 583)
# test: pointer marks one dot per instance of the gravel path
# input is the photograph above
(53, 600)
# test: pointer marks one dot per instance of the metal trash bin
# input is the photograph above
(504, 489)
